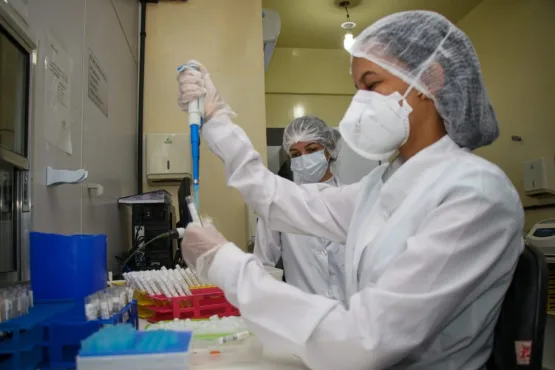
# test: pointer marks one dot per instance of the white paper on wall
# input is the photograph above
(97, 84)
(58, 74)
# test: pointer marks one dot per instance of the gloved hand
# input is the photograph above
(199, 246)
(194, 84)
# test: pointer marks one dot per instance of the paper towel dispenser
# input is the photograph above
(539, 178)
(168, 157)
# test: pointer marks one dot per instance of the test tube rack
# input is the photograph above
(203, 303)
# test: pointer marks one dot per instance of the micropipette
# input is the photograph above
(196, 111)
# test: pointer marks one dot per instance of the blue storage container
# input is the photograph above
(24, 360)
(67, 266)
(64, 333)
(22, 346)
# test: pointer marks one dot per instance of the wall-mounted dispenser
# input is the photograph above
(168, 157)
(539, 178)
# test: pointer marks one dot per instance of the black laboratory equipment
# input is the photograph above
(152, 220)
(151, 216)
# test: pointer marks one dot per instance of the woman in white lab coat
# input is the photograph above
(312, 264)
(432, 239)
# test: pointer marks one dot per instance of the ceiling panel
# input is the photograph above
(316, 23)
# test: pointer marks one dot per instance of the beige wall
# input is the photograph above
(307, 81)
(514, 40)
(226, 36)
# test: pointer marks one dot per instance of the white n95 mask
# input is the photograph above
(376, 125)
(310, 167)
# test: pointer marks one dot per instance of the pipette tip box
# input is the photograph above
(140, 353)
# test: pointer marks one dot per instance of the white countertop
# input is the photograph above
(253, 366)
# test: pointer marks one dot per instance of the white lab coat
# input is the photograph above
(351, 167)
(430, 255)
(312, 264)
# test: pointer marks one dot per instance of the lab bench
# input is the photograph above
(255, 366)
(264, 364)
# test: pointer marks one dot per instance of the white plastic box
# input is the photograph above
(217, 356)
(158, 361)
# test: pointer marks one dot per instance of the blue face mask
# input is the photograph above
(310, 167)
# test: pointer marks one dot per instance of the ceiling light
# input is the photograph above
(348, 26)
(298, 111)
(348, 41)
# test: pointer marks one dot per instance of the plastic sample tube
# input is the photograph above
(234, 337)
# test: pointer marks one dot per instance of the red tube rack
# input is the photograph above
(202, 304)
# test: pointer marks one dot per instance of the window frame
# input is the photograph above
(11, 23)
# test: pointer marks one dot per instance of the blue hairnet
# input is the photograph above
(430, 53)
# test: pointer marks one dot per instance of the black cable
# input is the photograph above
(139, 246)
(123, 268)
(157, 237)
(136, 243)
(136, 246)
(138, 239)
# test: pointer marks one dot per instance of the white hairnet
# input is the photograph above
(430, 53)
(311, 129)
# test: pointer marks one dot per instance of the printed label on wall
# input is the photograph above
(98, 84)
(59, 69)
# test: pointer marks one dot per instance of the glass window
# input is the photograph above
(8, 251)
(14, 75)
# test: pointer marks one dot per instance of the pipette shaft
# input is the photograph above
(195, 110)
